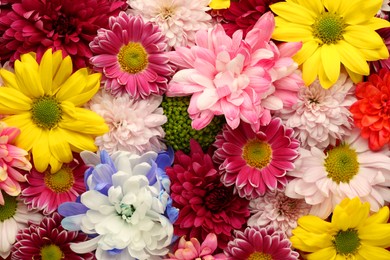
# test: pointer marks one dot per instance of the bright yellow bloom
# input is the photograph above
(44, 101)
(333, 32)
(352, 234)
(219, 4)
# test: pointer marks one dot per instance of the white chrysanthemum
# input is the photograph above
(320, 116)
(178, 20)
(14, 216)
(277, 210)
(348, 170)
(135, 125)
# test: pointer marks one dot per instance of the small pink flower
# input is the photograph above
(11, 158)
(192, 249)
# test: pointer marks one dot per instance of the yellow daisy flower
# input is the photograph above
(44, 101)
(352, 233)
(219, 4)
(333, 32)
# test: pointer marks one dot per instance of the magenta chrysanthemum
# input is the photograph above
(260, 243)
(131, 55)
(254, 162)
(242, 79)
(46, 191)
(48, 240)
(205, 204)
(36, 25)
(379, 64)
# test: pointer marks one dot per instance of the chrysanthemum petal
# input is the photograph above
(311, 67)
(88, 122)
(59, 147)
(324, 253)
(73, 85)
(28, 79)
(13, 101)
(376, 23)
(9, 79)
(41, 159)
(294, 12)
(79, 142)
(64, 71)
(308, 49)
(357, 36)
(46, 71)
(331, 63)
(354, 15)
(373, 252)
(93, 84)
(351, 58)
(287, 31)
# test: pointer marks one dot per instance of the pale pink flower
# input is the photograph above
(12, 159)
(243, 79)
(135, 125)
(321, 116)
(277, 210)
(348, 170)
(192, 249)
(178, 20)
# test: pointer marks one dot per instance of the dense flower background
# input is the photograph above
(194, 130)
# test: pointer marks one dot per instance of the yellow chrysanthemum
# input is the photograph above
(352, 234)
(43, 101)
(219, 4)
(333, 33)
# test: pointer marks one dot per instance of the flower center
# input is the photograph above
(257, 153)
(64, 25)
(51, 252)
(329, 28)
(133, 58)
(46, 112)
(8, 210)
(125, 211)
(60, 181)
(341, 164)
(166, 12)
(260, 256)
(346, 242)
(218, 198)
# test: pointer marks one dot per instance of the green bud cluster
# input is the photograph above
(178, 130)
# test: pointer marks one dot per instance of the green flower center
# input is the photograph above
(46, 112)
(341, 164)
(260, 256)
(125, 211)
(329, 28)
(51, 252)
(133, 58)
(346, 242)
(257, 153)
(60, 181)
(8, 210)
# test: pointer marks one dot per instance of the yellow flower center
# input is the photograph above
(51, 252)
(60, 181)
(329, 28)
(341, 164)
(346, 242)
(133, 58)
(8, 210)
(260, 256)
(257, 153)
(46, 112)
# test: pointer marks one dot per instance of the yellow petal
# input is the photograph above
(372, 252)
(294, 13)
(315, 5)
(30, 58)
(376, 23)
(311, 66)
(377, 54)
(331, 63)
(380, 217)
(59, 146)
(308, 48)
(73, 85)
(333, 6)
(360, 11)
(314, 224)
(290, 32)
(219, 4)
(28, 80)
(46, 71)
(13, 101)
(327, 253)
(375, 234)
(88, 122)
(55, 165)
(63, 72)
(351, 58)
(93, 85)
(40, 151)
(356, 78)
(79, 142)
(362, 37)
(9, 78)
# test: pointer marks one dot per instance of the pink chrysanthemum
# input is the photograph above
(46, 191)
(205, 204)
(243, 14)
(192, 249)
(277, 210)
(243, 79)
(131, 55)
(36, 25)
(12, 159)
(254, 162)
(260, 243)
(48, 240)
(135, 125)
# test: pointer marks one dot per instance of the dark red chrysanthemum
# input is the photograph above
(67, 25)
(205, 204)
(244, 14)
(48, 240)
(371, 112)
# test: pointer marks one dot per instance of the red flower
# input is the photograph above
(205, 204)
(371, 112)
(67, 25)
(244, 14)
